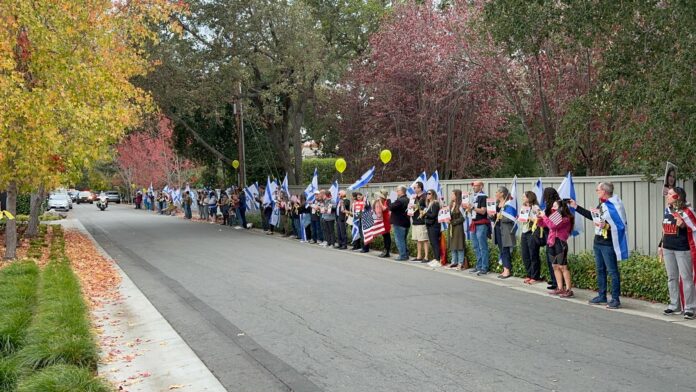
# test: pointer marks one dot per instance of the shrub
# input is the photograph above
(9, 374)
(63, 378)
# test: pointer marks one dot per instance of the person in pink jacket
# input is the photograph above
(560, 224)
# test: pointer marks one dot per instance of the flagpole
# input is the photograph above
(240, 141)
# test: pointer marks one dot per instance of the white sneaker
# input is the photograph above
(303, 242)
(238, 227)
(434, 263)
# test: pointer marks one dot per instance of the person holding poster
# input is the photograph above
(530, 246)
(504, 232)
(610, 242)
(670, 178)
(433, 226)
(560, 224)
(457, 240)
(550, 196)
(675, 250)
(480, 228)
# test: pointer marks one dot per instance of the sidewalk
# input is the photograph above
(146, 353)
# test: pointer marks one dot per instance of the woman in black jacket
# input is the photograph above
(432, 225)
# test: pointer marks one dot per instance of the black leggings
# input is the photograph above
(434, 237)
(530, 256)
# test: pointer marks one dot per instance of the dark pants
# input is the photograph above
(365, 247)
(242, 217)
(342, 232)
(330, 232)
(296, 226)
(605, 261)
(187, 211)
(225, 214)
(386, 237)
(434, 238)
(530, 256)
(266, 219)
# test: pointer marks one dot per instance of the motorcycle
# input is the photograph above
(102, 203)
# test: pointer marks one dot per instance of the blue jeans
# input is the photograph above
(480, 240)
(400, 235)
(506, 257)
(316, 235)
(296, 227)
(458, 257)
(605, 261)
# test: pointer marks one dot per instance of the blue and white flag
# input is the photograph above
(284, 186)
(539, 192)
(334, 192)
(422, 178)
(312, 187)
(275, 216)
(434, 184)
(166, 189)
(305, 220)
(363, 180)
(614, 213)
(511, 206)
(151, 190)
(250, 199)
(567, 191)
(268, 194)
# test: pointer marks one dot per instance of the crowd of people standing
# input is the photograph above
(547, 222)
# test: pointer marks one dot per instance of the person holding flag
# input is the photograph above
(400, 221)
(342, 212)
(610, 241)
(504, 229)
(419, 231)
(677, 252)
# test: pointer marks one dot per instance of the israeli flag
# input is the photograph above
(312, 187)
(355, 231)
(434, 184)
(166, 189)
(567, 191)
(268, 194)
(614, 213)
(151, 190)
(250, 202)
(305, 220)
(363, 180)
(334, 192)
(422, 178)
(284, 186)
(539, 192)
(511, 206)
(275, 216)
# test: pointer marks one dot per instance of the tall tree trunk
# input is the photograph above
(11, 224)
(34, 212)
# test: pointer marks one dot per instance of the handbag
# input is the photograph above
(540, 236)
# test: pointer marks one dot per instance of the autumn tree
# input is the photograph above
(65, 70)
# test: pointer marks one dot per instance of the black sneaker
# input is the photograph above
(482, 273)
(689, 315)
(597, 301)
(551, 287)
(670, 312)
(473, 271)
(614, 304)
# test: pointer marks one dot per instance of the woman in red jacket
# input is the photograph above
(560, 224)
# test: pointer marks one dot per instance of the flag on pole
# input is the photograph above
(567, 191)
(511, 207)
(372, 227)
(363, 180)
(334, 192)
(434, 184)
(268, 195)
(312, 187)
(284, 186)
(422, 178)
(539, 192)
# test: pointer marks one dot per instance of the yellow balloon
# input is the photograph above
(385, 156)
(340, 165)
(235, 164)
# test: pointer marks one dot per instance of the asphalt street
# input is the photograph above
(268, 314)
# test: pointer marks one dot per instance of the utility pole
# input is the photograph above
(240, 138)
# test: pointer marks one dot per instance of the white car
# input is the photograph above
(59, 201)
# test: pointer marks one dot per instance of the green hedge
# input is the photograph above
(642, 277)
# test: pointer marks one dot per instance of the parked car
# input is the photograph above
(73, 195)
(59, 201)
(85, 197)
(113, 197)
(63, 191)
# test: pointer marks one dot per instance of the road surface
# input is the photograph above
(267, 314)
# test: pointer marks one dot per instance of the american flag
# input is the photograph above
(371, 227)
(556, 218)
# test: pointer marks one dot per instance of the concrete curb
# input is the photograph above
(161, 359)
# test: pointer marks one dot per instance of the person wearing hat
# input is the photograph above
(381, 211)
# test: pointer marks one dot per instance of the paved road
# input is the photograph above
(266, 314)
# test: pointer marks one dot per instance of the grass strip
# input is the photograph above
(18, 290)
(63, 378)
